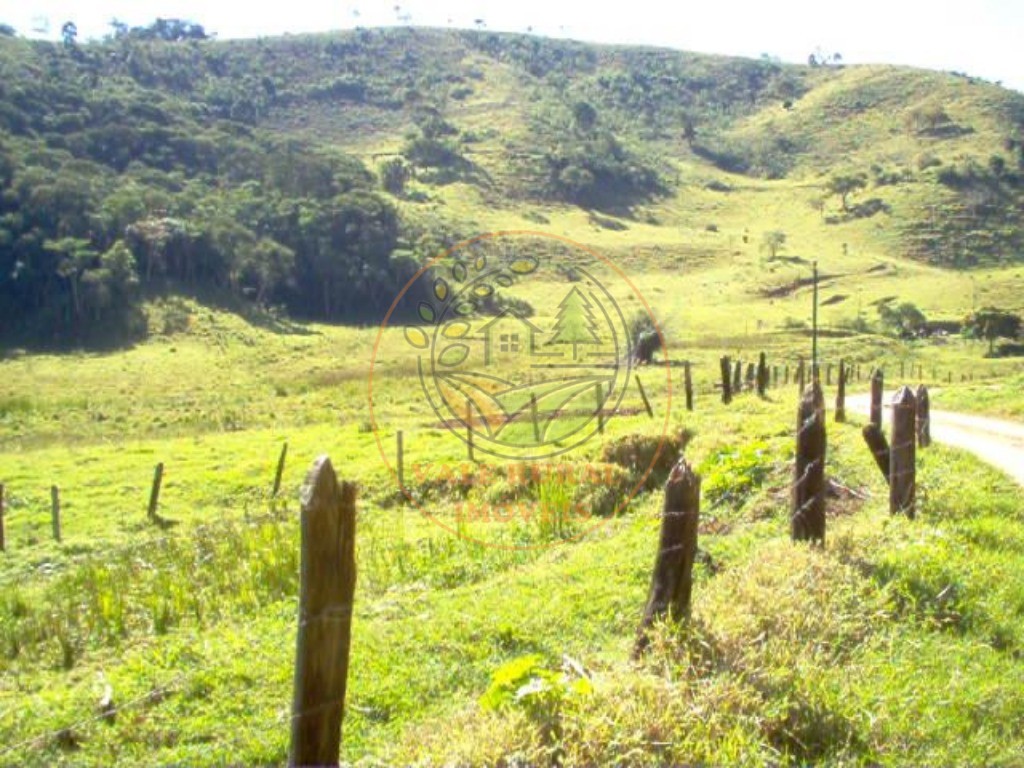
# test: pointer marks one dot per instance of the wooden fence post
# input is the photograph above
(534, 418)
(55, 511)
(154, 492)
(280, 470)
(762, 375)
(751, 377)
(672, 578)
(879, 447)
(599, 406)
(841, 394)
(726, 367)
(924, 423)
(400, 459)
(643, 395)
(3, 542)
(877, 385)
(808, 496)
(775, 377)
(903, 454)
(688, 385)
(737, 377)
(326, 590)
(785, 378)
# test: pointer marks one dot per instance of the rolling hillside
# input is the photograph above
(287, 171)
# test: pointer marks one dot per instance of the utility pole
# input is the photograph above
(814, 325)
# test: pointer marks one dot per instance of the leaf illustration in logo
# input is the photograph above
(483, 291)
(456, 329)
(427, 312)
(465, 308)
(453, 355)
(504, 280)
(480, 263)
(416, 337)
(524, 265)
(459, 272)
(441, 289)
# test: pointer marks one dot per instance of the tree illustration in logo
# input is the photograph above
(575, 323)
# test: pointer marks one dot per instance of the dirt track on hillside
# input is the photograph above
(997, 441)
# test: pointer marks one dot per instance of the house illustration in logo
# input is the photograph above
(510, 336)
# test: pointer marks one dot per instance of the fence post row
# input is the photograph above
(877, 385)
(924, 429)
(55, 511)
(808, 495)
(326, 590)
(672, 578)
(879, 447)
(726, 367)
(902, 455)
(841, 394)
(279, 473)
(154, 492)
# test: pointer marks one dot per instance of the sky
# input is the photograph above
(983, 38)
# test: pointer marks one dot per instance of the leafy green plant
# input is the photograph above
(732, 475)
(541, 693)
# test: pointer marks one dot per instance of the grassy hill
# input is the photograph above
(244, 212)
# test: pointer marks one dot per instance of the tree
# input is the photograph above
(575, 323)
(845, 185)
(905, 320)
(773, 242)
(584, 116)
(69, 34)
(991, 323)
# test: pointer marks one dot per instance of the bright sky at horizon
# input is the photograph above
(982, 38)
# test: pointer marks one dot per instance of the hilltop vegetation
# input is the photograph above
(317, 172)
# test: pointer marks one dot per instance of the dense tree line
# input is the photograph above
(111, 193)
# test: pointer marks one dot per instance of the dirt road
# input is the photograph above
(997, 441)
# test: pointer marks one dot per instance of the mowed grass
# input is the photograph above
(794, 655)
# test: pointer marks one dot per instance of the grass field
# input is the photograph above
(898, 641)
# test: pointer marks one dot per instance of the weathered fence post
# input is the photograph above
(751, 377)
(55, 511)
(785, 378)
(599, 407)
(3, 542)
(154, 492)
(877, 385)
(643, 395)
(279, 473)
(762, 375)
(808, 500)
(326, 590)
(688, 385)
(737, 377)
(903, 454)
(726, 367)
(879, 447)
(841, 394)
(775, 377)
(672, 579)
(535, 420)
(399, 459)
(924, 423)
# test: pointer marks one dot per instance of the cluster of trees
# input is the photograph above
(114, 192)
